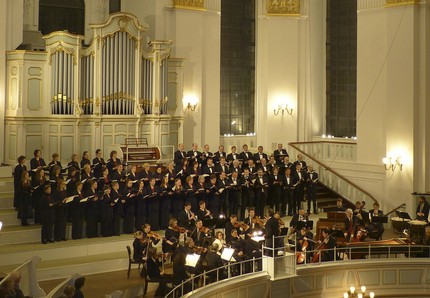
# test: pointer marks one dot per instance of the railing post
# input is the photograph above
(204, 278)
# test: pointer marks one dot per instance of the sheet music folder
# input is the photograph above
(403, 215)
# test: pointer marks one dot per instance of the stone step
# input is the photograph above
(13, 254)
(8, 217)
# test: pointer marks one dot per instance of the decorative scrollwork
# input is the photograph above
(283, 7)
(190, 4)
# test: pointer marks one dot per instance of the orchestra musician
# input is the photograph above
(231, 225)
(186, 217)
(304, 244)
(150, 238)
(154, 273)
(203, 213)
(422, 209)
(199, 233)
(327, 246)
(339, 205)
(251, 221)
(378, 226)
(349, 223)
(171, 237)
(360, 213)
(301, 216)
(238, 244)
(139, 247)
(220, 242)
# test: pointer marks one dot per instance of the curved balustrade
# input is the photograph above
(318, 150)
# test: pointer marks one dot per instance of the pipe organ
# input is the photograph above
(115, 88)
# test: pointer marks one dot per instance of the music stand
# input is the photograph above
(227, 254)
(403, 215)
(191, 260)
(308, 224)
(380, 219)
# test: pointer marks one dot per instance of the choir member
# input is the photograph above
(72, 178)
(288, 193)
(178, 157)
(245, 155)
(200, 190)
(298, 184)
(222, 184)
(232, 156)
(24, 198)
(276, 185)
(235, 167)
(146, 175)
(219, 154)
(212, 196)
(37, 161)
(103, 180)
(165, 199)
(170, 172)
(117, 204)
(301, 162)
(55, 176)
(267, 168)
(77, 208)
(194, 154)
(85, 160)
(60, 195)
(153, 205)
(98, 164)
(132, 175)
(128, 196)
(279, 154)
(252, 168)
(286, 165)
(178, 199)
(92, 209)
(86, 175)
(205, 155)
(55, 162)
(117, 174)
(248, 194)
(17, 175)
(261, 186)
(38, 183)
(113, 162)
(234, 193)
(209, 167)
(47, 213)
(222, 166)
(190, 192)
(158, 176)
(106, 206)
(259, 155)
(141, 206)
(194, 171)
(74, 162)
(311, 178)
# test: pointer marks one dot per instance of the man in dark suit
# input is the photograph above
(206, 154)
(339, 205)
(245, 155)
(199, 234)
(220, 153)
(374, 225)
(235, 167)
(298, 184)
(279, 154)
(155, 274)
(232, 156)
(261, 186)
(286, 164)
(298, 217)
(301, 162)
(288, 193)
(311, 178)
(259, 155)
(179, 156)
(222, 166)
(272, 230)
(422, 209)
(194, 154)
(209, 167)
(229, 226)
(186, 217)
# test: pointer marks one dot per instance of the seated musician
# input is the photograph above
(214, 261)
(360, 213)
(230, 226)
(304, 243)
(238, 244)
(139, 247)
(422, 209)
(219, 240)
(202, 212)
(171, 236)
(378, 226)
(252, 222)
(199, 233)
(339, 205)
(186, 217)
(301, 216)
(154, 273)
(327, 246)
(151, 237)
(282, 228)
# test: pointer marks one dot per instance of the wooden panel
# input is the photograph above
(34, 94)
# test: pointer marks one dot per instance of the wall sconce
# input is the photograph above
(283, 108)
(354, 293)
(391, 163)
(191, 102)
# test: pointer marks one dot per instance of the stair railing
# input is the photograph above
(317, 150)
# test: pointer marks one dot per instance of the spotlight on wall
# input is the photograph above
(190, 102)
(282, 108)
(391, 163)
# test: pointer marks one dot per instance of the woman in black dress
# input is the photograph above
(113, 162)
(38, 182)
(190, 193)
(103, 180)
(141, 206)
(145, 175)
(77, 208)
(47, 214)
(165, 203)
(85, 159)
(178, 198)
(24, 198)
(153, 205)
(128, 194)
(17, 175)
(117, 204)
(92, 209)
(74, 162)
(106, 207)
(98, 163)
(55, 176)
(37, 161)
(60, 196)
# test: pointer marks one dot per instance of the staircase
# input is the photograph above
(60, 259)
(326, 199)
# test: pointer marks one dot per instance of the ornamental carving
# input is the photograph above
(192, 4)
(401, 2)
(283, 7)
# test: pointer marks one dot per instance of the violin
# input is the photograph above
(204, 230)
(153, 235)
(242, 225)
(281, 222)
(199, 250)
(180, 230)
(258, 220)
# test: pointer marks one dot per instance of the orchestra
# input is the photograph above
(187, 198)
